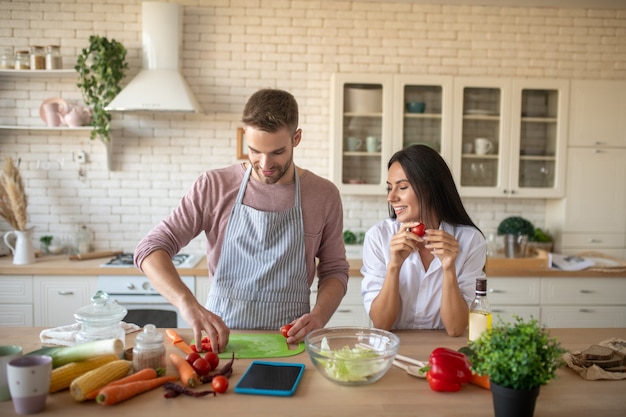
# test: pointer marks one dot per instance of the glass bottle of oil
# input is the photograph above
(479, 311)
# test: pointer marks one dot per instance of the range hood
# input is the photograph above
(159, 86)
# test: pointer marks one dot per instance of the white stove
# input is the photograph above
(125, 260)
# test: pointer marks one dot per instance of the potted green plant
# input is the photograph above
(516, 231)
(519, 357)
(540, 240)
(101, 66)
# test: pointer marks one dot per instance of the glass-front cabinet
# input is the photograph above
(509, 137)
(376, 115)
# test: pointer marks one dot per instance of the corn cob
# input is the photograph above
(62, 377)
(99, 377)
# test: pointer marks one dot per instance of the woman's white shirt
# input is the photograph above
(420, 289)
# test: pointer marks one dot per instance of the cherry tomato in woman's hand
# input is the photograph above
(191, 357)
(419, 230)
(201, 366)
(285, 329)
(212, 359)
(219, 384)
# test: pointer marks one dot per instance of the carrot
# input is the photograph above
(480, 380)
(142, 375)
(117, 393)
(188, 375)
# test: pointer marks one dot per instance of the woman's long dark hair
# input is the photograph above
(432, 181)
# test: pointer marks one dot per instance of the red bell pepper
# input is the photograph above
(448, 370)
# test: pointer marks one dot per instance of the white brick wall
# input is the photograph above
(232, 48)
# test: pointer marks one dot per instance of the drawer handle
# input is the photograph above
(586, 291)
(344, 310)
(494, 291)
(496, 310)
(66, 292)
(585, 310)
(594, 240)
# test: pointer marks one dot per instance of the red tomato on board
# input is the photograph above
(202, 366)
(219, 384)
(285, 329)
(419, 230)
(191, 357)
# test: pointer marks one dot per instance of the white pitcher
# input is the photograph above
(23, 251)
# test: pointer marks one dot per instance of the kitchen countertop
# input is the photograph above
(61, 265)
(396, 394)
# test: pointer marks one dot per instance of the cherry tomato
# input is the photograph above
(193, 348)
(191, 357)
(285, 329)
(201, 366)
(419, 230)
(219, 384)
(212, 359)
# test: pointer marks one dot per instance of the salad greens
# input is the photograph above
(350, 365)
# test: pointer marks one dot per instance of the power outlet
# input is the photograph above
(81, 157)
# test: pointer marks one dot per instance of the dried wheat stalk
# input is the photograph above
(13, 199)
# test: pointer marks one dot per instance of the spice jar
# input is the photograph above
(149, 350)
(53, 57)
(100, 320)
(37, 58)
(22, 60)
(7, 60)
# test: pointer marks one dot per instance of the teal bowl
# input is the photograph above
(415, 107)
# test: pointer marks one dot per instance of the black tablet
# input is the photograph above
(270, 378)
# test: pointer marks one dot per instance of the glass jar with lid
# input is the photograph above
(7, 60)
(22, 60)
(53, 57)
(149, 350)
(100, 320)
(37, 58)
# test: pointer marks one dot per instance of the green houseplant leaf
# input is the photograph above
(101, 66)
(516, 225)
(517, 355)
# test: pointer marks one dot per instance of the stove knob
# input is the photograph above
(146, 286)
(130, 286)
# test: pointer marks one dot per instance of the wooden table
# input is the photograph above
(396, 394)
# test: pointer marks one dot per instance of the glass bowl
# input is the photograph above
(352, 355)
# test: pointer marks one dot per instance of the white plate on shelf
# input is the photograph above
(480, 112)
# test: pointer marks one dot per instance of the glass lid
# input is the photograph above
(101, 312)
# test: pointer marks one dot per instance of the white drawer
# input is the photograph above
(513, 291)
(583, 291)
(16, 289)
(16, 315)
(589, 240)
(507, 314)
(586, 316)
(353, 293)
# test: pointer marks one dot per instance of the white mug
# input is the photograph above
(372, 144)
(7, 354)
(353, 143)
(483, 146)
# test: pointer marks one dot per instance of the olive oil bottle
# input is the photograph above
(479, 311)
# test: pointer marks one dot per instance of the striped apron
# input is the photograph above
(260, 281)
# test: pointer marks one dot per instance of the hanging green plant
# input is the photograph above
(101, 67)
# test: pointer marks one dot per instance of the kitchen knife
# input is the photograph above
(178, 341)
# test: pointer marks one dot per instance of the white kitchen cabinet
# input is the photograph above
(583, 302)
(509, 297)
(351, 311)
(56, 299)
(598, 113)
(203, 285)
(16, 300)
(593, 216)
(525, 121)
(374, 105)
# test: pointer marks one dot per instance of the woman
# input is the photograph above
(413, 282)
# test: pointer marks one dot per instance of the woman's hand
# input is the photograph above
(443, 245)
(403, 243)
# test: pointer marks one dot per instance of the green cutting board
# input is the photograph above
(255, 346)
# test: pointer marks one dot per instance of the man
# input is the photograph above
(266, 223)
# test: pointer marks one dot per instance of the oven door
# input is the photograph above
(150, 309)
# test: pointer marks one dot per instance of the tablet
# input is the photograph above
(270, 378)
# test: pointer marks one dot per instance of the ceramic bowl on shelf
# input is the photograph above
(415, 107)
(352, 355)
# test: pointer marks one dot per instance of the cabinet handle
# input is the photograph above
(505, 191)
(344, 310)
(66, 292)
(586, 291)
(496, 310)
(512, 191)
(585, 310)
(594, 240)
(598, 151)
(495, 291)
(599, 143)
